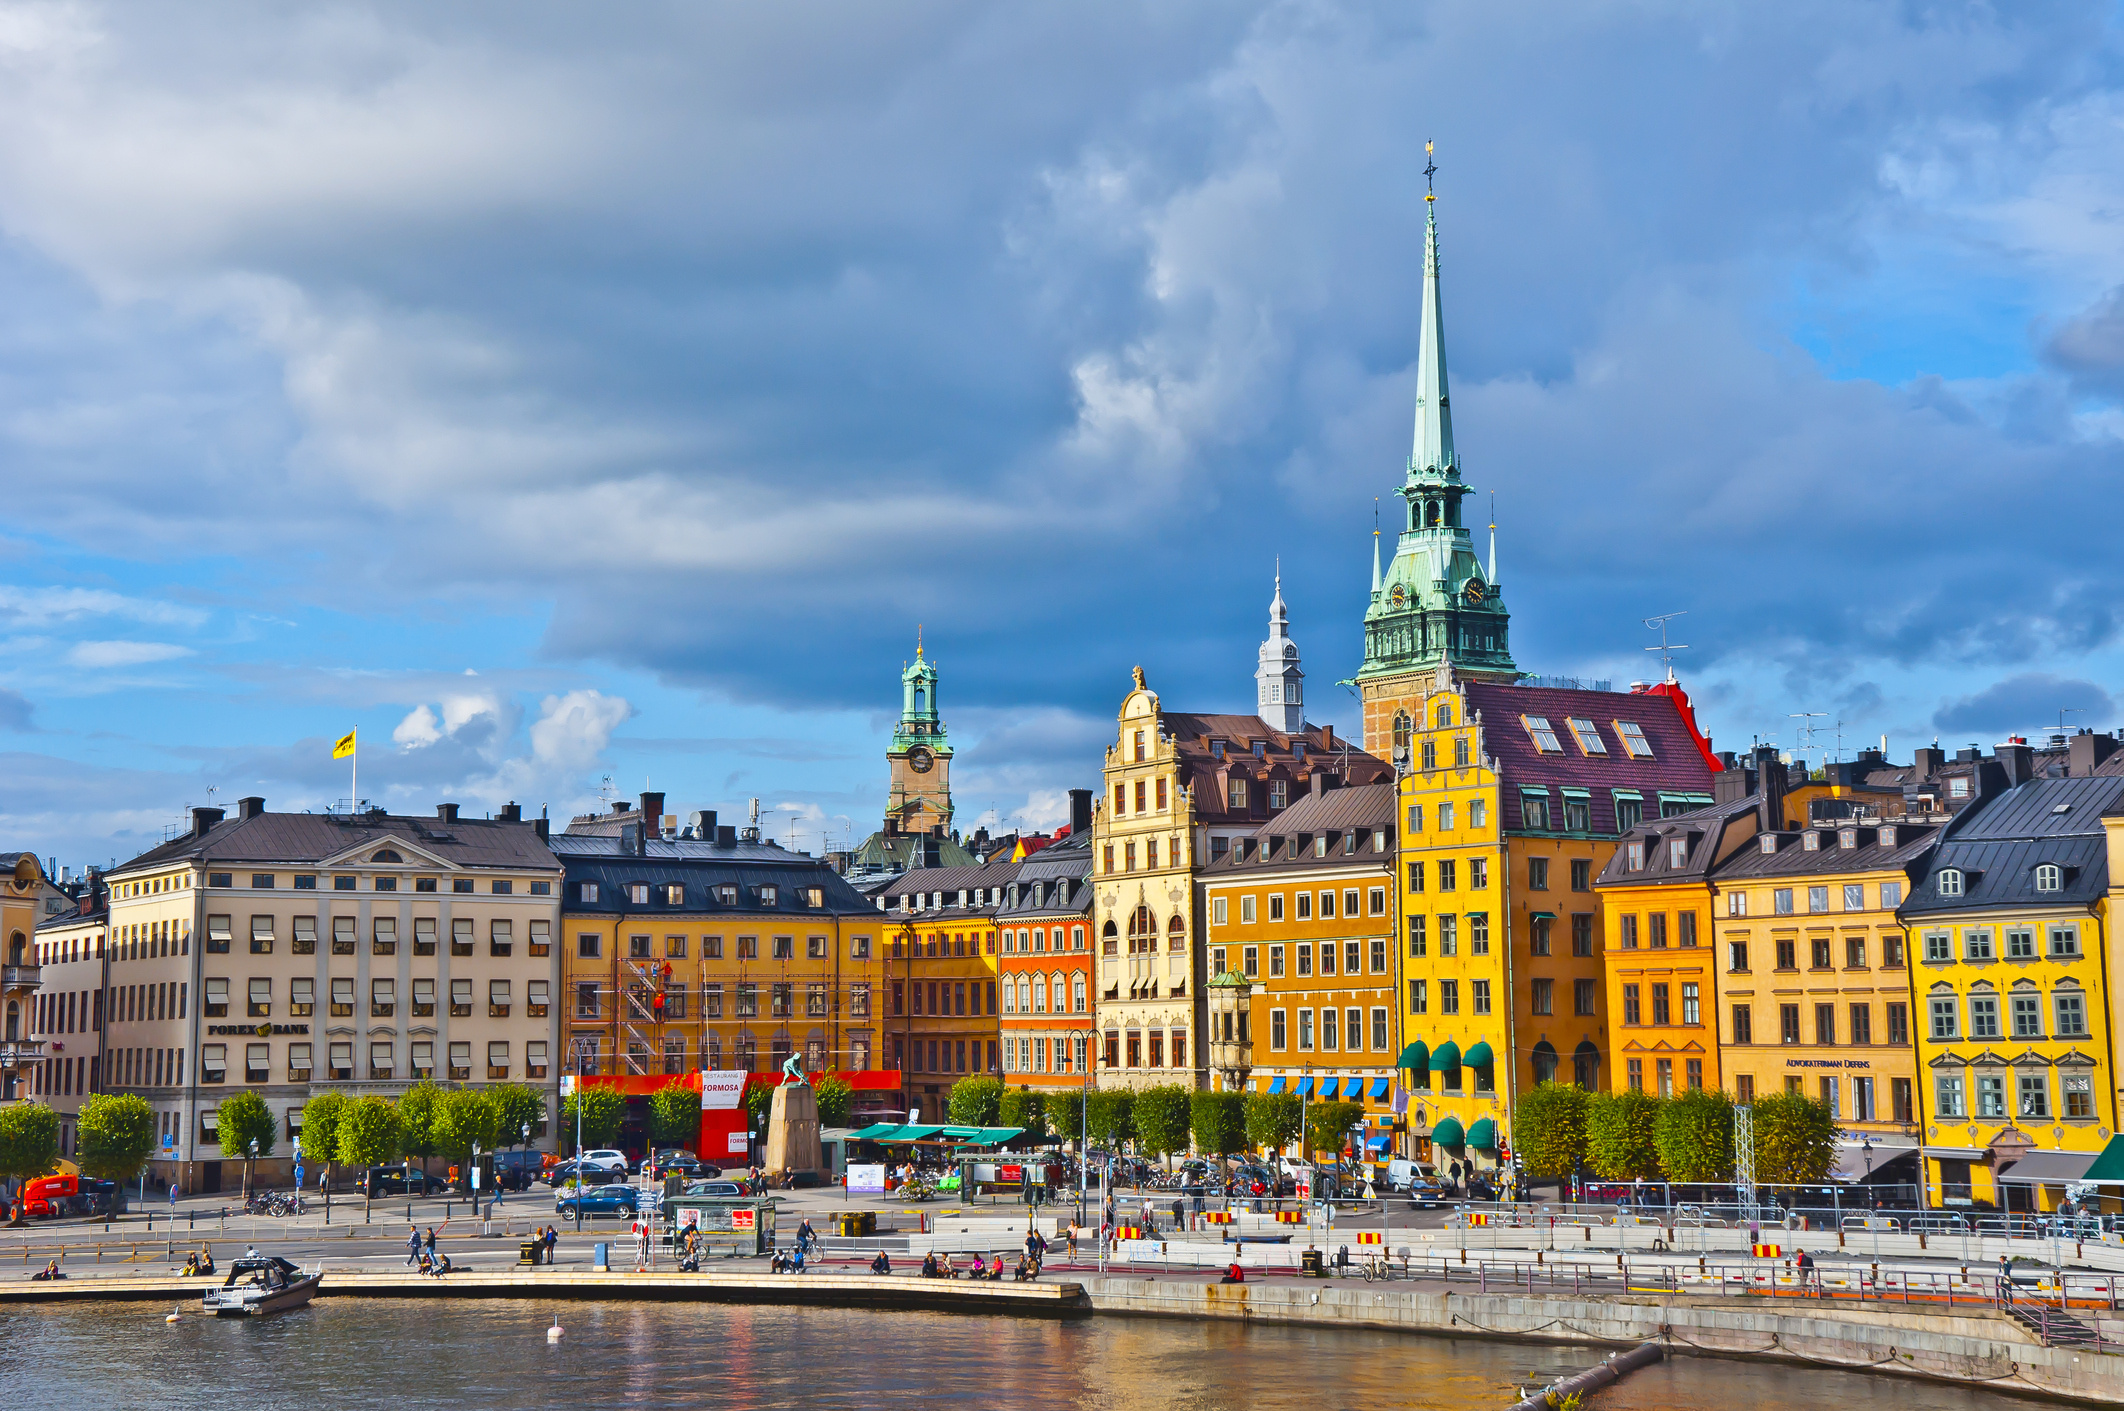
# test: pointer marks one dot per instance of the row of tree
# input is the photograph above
(1561, 1130)
(1161, 1121)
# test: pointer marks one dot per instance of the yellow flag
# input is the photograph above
(345, 746)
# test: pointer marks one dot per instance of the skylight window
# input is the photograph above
(1588, 736)
(1635, 744)
(1544, 733)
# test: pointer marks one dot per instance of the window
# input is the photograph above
(261, 1000)
(1947, 1096)
(1448, 875)
(1637, 855)
(1278, 1034)
(1478, 933)
(1736, 903)
(1415, 883)
(213, 1063)
(1633, 738)
(1736, 955)
(1220, 913)
(1656, 930)
(1636, 1072)
(217, 934)
(302, 996)
(1632, 1005)
(2079, 1095)
(1626, 932)
(1542, 733)
(1983, 1016)
(1449, 935)
(535, 998)
(461, 999)
(1691, 1011)
(1537, 874)
(1743, 1024)
(1788, 1024)
(2049, 877)
(1479, 993)
(1418, 942)
(2070, 1007)
(1662, 1012)
(1544, 997)
(1861, 1023)
(1578, 818)
(2020, 944)
(1854, 952)
(1677, 852)
(1460, 752)
(1629, 812)
(1304, 956)
(1944, 1018)
(1991, 1096)
(1235, 794)
(383, 998)
(1948, 882)
(1419, 997)
(1538, 937)
(1375, 902)
(2064, 942)
(1534, 816)
(1820, 950)
(1478, 873)
(2035, 1095)
(1445, 815)
(1938, 946)
(1891, 892)
(342, 996)
(1275, 905)
(2027, 1012)
(1582, 933)
(1898, 1023)
(1781, 901)
(460, 935)
(1246, 910)
(1588, 736)
(1582, 993)
(1817, 899)
(1449, 996)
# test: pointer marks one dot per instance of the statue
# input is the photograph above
(793, 1069)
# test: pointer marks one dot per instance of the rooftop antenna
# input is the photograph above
(1807, 727)
(2063, 711)
(1666, 649)
(605, 790)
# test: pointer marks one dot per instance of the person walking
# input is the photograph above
(413, 1247)
(431, 1241)
(1179, 1216)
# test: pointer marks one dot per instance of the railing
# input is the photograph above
(21, 977)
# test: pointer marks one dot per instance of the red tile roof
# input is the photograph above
(1677, 764)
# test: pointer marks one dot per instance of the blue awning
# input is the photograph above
(1275, 1085)
(1330, 1087)
(1377, 1143)
(1305, 1087)
(1379, 1089)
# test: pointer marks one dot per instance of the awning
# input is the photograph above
(1480, 1056)
(1376, 1143)
(2109, 1166)
(1850, 1164)
(1414, 1056)
(1449, 1132)
(895, 1132)
(1542, 915)
(2054, 1168)
(1379, 1089)
(1483, 1135)
(1328, 1088)
(1446, 1057)
(1305, 1087)
(1275, 1084)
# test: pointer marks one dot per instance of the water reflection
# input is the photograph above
(485, 1354)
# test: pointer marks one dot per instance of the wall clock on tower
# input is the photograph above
(919, 759)
(1474, 592)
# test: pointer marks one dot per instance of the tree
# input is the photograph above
(464, 1121)
(1795, 1139)
(1065, 1115)
(1694, 1135)
(247, 1130)
(1111, 1116)
(418, 1108)
(29, 1142)
(603, 1112)
(114, 1135)
(975, 1101)
(517, 1107)
(1549, 1130)
(835, 1097)
(369, 1135)
(1020, 1108)
(1272, 1120)
(1218, 1122)
(320, 1126)
(675, 1115)
(1619, 1143)
(1328, 1125)
(759, 1104)
(1161, 1120)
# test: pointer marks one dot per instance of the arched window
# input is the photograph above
(1445, 716)
(1142, 931)
(1076, 994)
(1950, 882)
(15, 944)
(1585, 1066)
(1176, 933)
(14, 1021)
(1404, 730)
(921, 700)
(385, 856)
(1544, 1062)
(2050, 877)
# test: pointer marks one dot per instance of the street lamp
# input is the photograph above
(247, 1170)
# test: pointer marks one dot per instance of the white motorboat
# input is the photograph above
(261, 1284)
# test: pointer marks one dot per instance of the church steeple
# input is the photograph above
(1433, 452)
(1279, 692)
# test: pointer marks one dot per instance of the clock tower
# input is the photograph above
(920, 756)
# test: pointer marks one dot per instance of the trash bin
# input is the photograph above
(1309, 1264)
(601, 1257)
(527, 1253)
(856, 1224)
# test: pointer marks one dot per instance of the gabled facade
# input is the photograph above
(1044, 966)
(22, 892)
(944, 988)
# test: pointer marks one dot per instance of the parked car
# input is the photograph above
(598, 1200)
(721, 1190)
(677, 1159)
(397, 1180)
(605, 1160)
(567, 1171)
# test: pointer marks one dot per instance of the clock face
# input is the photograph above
(1474, 592)
(919, 759)
(1400, 596)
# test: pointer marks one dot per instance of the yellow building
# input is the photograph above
(2008, 934)
(1305, 911)
(944, 1010)
(1513, 803)
(22, 897)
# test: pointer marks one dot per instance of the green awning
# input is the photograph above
(1446, 1057)
(1480, 1056)
(1414, 1056)
(1482, 1136)
(2109, 1166)
(1447, 1131)
(891, 1132)
(873, 1132)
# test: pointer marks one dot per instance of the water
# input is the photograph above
(489, 1354)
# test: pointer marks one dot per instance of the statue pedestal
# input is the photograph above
(793, 1130)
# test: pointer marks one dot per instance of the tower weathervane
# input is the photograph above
(1430, 169)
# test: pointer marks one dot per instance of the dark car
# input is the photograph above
(613, 1200)
(396, 1180)
(593, 1175)
(678, 1161)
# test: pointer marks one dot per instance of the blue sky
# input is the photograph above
(555, 402)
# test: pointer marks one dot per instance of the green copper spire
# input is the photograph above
(1434, 408)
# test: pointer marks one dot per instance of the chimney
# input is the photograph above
(251, 807)
(512, 812)
(542, 827)
(1770, 784)
(1079, 812)
(203, 819)
(2018, 760)
(1319, 783)
(1927, 762)
(631, 839)
(726, 836)
(447, 812)
(653, 815)
(2085, 752)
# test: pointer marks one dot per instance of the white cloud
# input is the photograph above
(43, 607)
(113, 654)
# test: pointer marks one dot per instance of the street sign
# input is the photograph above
(298, 1175)
(866, 1179)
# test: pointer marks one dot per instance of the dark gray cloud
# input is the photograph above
(2090, 345)
(16, 713)
(2028, 703)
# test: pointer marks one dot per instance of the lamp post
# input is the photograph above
(247, 1170)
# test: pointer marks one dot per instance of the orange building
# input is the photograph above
(1044, 964)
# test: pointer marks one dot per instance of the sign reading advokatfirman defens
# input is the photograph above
(723, 1088)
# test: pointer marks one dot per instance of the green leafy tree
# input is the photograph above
(114, 1135)
(1218, 1122)
(464, 1119)
(247, 1129)
(517, 1106)
(370, 1134)
(1619, 1136)
(320, 1127)
(835, 1097)
(1795, 1139)
(975, 1101)
(1162, 1120)
(418, 1108)
(1694, 1134)
(1020, 1108)
(1065, 1114)
(1111, 1115)
(675, 1114)
(1272, 1120)
(29, 1142)
(759, 1105)
(1549, 1130)
(1328, 1125)
(603, 1112)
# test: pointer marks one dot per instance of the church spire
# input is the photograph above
(1434, 415)
(1279, 691)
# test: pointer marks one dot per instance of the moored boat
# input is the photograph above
(261, 1284)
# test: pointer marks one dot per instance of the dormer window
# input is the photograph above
(1678, 852)
(1769, 843)
(589, 892)
(1888, 836)
(1847, 838)
(1217, 750)
(1260, 749)
(1637, 855)
(1950, 882)
(1810, 842)
(1957, 788)
(1542, 733)
(2049, 877)
(1635, 745)
(1588, 736)
(727, 895)
(768, 895)
(638, 893)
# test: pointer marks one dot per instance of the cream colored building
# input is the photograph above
(66, 1011)
(295, 953)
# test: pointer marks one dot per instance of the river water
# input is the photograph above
(493, 1356)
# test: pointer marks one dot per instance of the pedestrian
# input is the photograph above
(431, 1241)
(413, 1247)
(1073, 1242)
(1806, 1269)
(1179, 1216)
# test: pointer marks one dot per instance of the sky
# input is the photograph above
(561, 396)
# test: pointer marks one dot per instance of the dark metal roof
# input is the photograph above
(1367, 808)
(570, 846)
(1913, 841)
(1998, 847)
(1706, 828)
(793, 877)
(1676, 766)
(285, 838)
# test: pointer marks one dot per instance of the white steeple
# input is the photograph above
(1279, 692)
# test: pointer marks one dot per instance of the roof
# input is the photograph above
(1706, 830)
(1293, 757)
(793, 877)
(682, 851)
(1911, 842)
(1677, 765)
(316, 837)
(1335, 814)
(92, 908)
(1998, 847)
